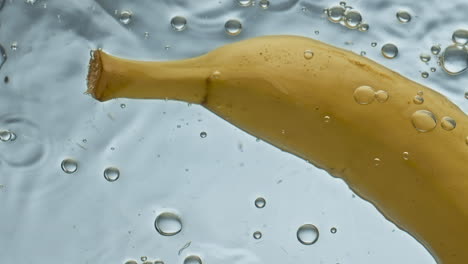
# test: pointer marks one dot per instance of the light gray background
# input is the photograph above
(47, 216)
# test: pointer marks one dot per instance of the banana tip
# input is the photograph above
(94, 73)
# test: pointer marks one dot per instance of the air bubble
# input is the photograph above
(423, 120)
(69, 166)
(257, 235)
(245, 3)
(193, 260)
(448, 123)
(14, 46)
(233, 27)
(336, 13)
(125, 17)
(425, 57)
(405, 155)
(364, 95)
(374, 44)
(260, 202)
(111, 174)
(381, 96)
(403, 16)
(433, 69)
(5, 135)
(264, 4)
(326, 119)
(424, 74)
(435, 49)
(389, 51)
(333, 230)
(307, 234)
(363, 53)
(203, 134)
(460, 37)
(308, 54)
(168, 224)
(178, 23)
(123, 106)
(144, 258)
(363, 27)
(353, 19)
(454, 60)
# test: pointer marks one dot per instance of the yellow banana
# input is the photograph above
(342, 112)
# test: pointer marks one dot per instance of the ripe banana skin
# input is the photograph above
(306, 105)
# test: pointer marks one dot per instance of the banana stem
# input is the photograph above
(111, 77)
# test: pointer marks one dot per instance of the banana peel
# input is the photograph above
(302, 96)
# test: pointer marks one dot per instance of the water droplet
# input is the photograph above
(425, 57)
(333, 230)
(433, 69)
(14, 46)
(403, 16)
(466, 140)
(424, 74)
(424, 120)
(389, 51)
(352, 19)
(123, 106)
(260, 202)
(111, 174)
(69, 166)
(343, 3)
(159, 262)
(144, 258)
(125, 17)
(3, 56)
(336, 13)
(405, 155)
(85, 140)
(466, 95)
(193, 260)
(421, 93)
(203, 134)
(245, 2)
(448, 123)
(363, 53)
(363, 27)
(364, 95)
(178, 23)
(316, 32)
(377, 162)
(13, 136)
(307, 234)
(233, 27)
(131, 262)
(5, 135)
(257, 235)
(454, 59)
(308, 54)
(167, 47)
(146, 34)
(31, 2)
(326, 119)
(168, 224)
(460, 37)
(381, 96)
(373, 44)
(435, 49)
(264, 4)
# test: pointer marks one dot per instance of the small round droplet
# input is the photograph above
(381, 96)
(333, 230)
(448, 123)
(264, 4)
(316, 32)
(5, 135)
(403, 16)
(336, 13)
(352, 19)
(373, 44)
(363, 27)
(203, 134)
(377, 162)
(307, 234)
(364, 95)
(260, 202)
(3, 56)
(389, 51)
(308, 54)
(326, 119)
(144, 258)
(424, 120)
(69, 166)
(168, 224)
(131, 262)
(425, 57)
(125, 17)
(454, 60)
(233, 27)
(466, 95)
(363, 53)
(435, 49)
(343, 3)
(31, 2)
(421, 93)
(146, 34)
(405, 155)
(14, 46)
(111, 174)
(13, 136)
(245, 2)
(123, 106)
(433, 69)
(178, 23)
(257, 235)
(460, 37)
(424, 74)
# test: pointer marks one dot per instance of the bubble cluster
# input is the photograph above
(346, 16)
(365, 95)
(454, 58)
(264, 4)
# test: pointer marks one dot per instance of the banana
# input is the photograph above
(342, 112)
